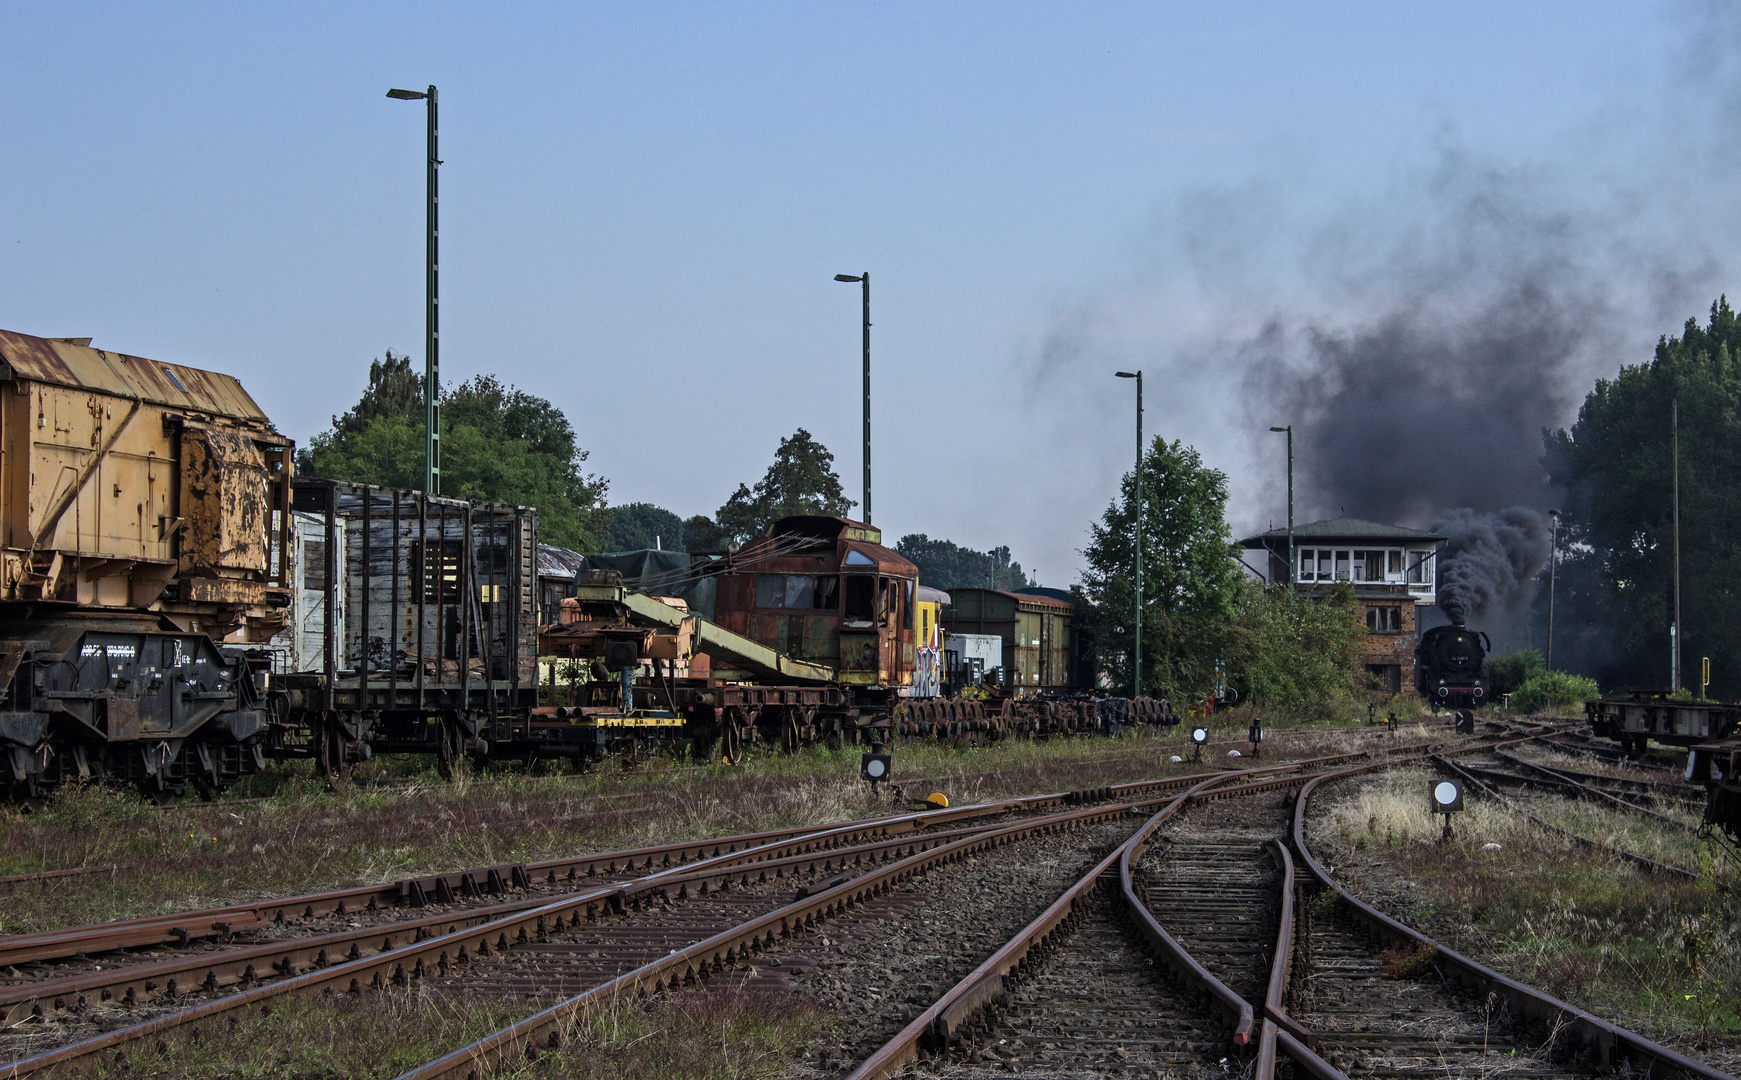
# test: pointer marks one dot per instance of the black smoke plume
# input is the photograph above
(1491, 566)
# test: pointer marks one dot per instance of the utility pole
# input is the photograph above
(1137, 680)
(1293, 564)
(1674, 631)
(865, 278)
(432, 309)
(1553, 581)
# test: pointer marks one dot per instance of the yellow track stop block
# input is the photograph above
(937, 799)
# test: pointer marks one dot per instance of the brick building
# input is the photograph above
(1393, 570)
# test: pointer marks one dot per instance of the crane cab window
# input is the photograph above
(861, 598)
(794, 591)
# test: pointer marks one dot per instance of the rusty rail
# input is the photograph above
(182, 927)
(134, 983)
(403, 965)
(51, 875)
(1280, 1030)
(949, 1012)
(1579, 787)
(1643, 862)
(1601, 1041)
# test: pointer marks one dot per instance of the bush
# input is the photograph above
(1508, 673)
(1553, 690)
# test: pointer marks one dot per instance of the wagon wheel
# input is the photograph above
(449, 761)
(329, 754)
(731, 739)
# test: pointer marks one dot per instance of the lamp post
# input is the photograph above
(1292, 565)
(1137, 680)
(1553, 581)
(865, 278)
(431, 311)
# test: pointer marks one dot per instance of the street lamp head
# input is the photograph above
(848, 277)
(1278, 429)
(1126, 374)
(407, 95)
(1554, 513)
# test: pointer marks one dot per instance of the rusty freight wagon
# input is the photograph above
(137, 500)
(414, 626)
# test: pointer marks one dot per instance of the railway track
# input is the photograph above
(1446, 1014)
(444, 946)
(1070, 996)
(615, 923)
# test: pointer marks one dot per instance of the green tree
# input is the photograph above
(1294, 651)
(703, 536)
(498, 444)
(945, 565)
(1191, 580)
(642, 525)
(1615, 466)
(801, 480)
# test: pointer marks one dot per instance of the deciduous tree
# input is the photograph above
(1615, 464)
(498, 444)
(1191, 579)
(801, 480)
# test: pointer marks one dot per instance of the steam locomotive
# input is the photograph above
(1450, 666)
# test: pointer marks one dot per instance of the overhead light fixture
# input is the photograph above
(406, 95)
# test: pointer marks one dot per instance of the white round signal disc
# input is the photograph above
(1199, 735)
(875, 769)
(1444, 793)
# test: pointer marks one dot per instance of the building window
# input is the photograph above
(1384, 619)
(1395, 562)
(1342, 562)
(1386, 678)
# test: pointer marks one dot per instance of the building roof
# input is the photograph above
(1344, 530)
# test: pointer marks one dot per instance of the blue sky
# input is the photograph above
(644, 206)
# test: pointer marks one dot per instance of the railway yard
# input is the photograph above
(1081, 908)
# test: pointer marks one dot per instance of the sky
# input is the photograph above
(644, 207)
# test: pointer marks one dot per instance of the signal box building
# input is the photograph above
(1394, 570)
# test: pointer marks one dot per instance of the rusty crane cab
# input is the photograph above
(825, 590)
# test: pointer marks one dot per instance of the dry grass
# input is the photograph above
(1660, 955)
(719, 1035)
(302, 838)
